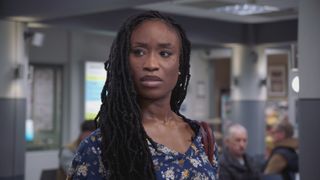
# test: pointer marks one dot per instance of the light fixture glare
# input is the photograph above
(245, 9)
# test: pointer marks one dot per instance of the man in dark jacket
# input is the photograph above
(235, 164)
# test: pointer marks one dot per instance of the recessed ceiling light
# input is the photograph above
(245, 9)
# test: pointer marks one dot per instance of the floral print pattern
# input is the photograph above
(168, 164)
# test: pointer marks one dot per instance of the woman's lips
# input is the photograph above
(151, 81)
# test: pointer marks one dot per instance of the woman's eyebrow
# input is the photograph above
(165, 45)
(139, 44)
(145, 45)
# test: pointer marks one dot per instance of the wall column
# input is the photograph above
(309, 95)
(248, 96)
(13, 79)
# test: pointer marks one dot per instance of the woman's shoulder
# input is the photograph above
(87, 161)
(94, 139)
(91, 145)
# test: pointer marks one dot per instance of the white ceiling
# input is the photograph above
(203, 26)
(37, 10)
(40, 10)
(204, 9)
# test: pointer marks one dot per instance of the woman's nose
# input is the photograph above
(151, 63)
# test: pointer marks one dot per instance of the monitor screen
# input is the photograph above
(95, 76)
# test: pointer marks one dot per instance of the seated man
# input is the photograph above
(235, 164)
(68, 151)
(284, 158)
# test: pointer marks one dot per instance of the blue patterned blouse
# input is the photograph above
(168, 164)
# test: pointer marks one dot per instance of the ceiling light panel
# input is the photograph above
(245, 9)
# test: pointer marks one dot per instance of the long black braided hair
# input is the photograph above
(125, 151)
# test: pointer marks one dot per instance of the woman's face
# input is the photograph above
(154, 59)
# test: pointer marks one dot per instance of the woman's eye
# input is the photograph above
(138, 52)
(165, 53)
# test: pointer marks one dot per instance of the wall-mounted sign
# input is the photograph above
(277, 82)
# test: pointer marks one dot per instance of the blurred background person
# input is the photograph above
(283, 158)
(235, 164)
(68, 151)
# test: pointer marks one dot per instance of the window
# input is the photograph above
(44, 107)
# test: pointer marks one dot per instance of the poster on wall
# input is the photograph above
(277, 83)
(95, 76)
(42, 111)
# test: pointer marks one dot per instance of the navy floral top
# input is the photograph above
(168, 164)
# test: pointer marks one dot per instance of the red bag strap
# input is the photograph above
(208, 139)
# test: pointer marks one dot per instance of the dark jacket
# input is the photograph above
(231, 169)
(284, 159)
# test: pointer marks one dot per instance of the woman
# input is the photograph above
(283, 159)
(141, 133)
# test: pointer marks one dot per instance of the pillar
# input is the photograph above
(309, 95)
(13, 79)
(248, 96)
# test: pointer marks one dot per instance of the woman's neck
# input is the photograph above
(159, 111)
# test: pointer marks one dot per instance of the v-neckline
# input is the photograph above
(163, 148)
